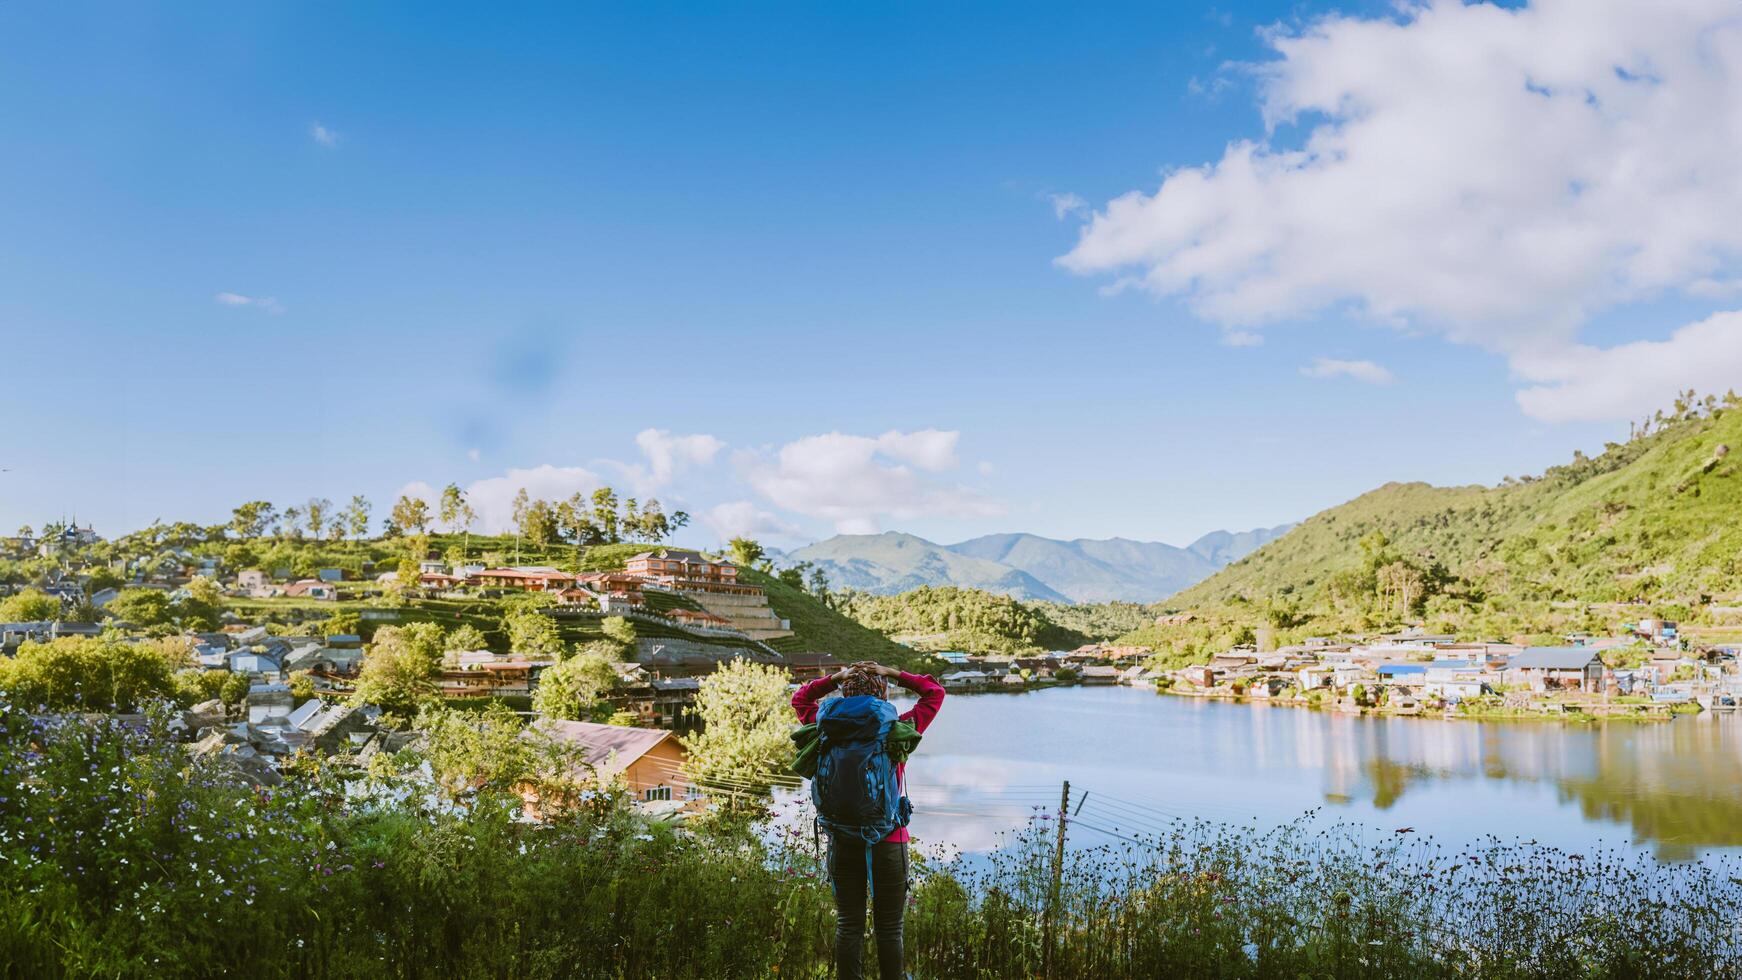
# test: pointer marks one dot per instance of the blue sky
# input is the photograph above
(293, 250)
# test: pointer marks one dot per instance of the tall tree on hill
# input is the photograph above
(574, 520)
(605, 515)
(539, 523)
(457, 513)
(357, 517)
(410, 514)
(518, 515)
(252, 519)
(290, 523)
(316, 511)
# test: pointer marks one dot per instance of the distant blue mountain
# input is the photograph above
(1028, 566)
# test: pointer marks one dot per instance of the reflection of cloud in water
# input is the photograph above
(988, 760)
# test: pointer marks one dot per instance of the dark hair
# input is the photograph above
(861, 681)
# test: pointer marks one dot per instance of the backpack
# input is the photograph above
(855, 789)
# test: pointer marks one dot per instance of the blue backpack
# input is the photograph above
(855, 789)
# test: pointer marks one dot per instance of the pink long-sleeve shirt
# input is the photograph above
(806, 699)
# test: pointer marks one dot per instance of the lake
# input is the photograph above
(991, 762)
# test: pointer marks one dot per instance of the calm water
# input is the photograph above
(988, 761)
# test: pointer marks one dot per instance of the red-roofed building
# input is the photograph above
(648, 761)
(538, 578)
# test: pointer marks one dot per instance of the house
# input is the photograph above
(810, 665)
(691, 617)
(952, 657)
(312, 589)
(1456, 680)
(1100, 674)
(482, 674)
(1556, 669)
(692, 571)
(960, 679)
(1394, 673)
(1657, 630)
(531, 578)
(649, 762)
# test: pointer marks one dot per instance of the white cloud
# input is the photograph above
(668, 455)
(742, 518)
(493, 498)
(1330, 367)
(320, 134)
(1065, 205)
(1633, 380)
(1494, 175)
(473, 455)
(858, 481)
(1242, 338)
(265, 304)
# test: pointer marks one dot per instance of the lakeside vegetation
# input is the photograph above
(119, 857)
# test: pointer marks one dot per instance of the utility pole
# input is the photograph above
(1058, 871)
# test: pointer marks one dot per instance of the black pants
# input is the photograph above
(888, 900)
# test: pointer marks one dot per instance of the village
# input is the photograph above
(688, 613)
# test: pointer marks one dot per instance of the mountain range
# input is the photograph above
(1028, 566)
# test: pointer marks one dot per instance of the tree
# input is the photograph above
(408, 574)
(410, 514)
(817, 583)
(101, 577)
(605, 515)
(574, 520)
(201, 607)
(302, 685)
(252, 519)
(356, 517)
(399, 668)
(618, 630)
(92, 674)
(538, 522)
(290, 522)
(747, 716)
(315, 512)
(29, 606)
(452, 502)
(493, 751)
(532, 633)
(466, 638)
(141, 607)
(745, 552)
(577, 689)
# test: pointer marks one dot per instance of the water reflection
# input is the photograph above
(993, 762)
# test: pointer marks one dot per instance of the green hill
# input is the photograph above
(1656, 520)
(970, 620)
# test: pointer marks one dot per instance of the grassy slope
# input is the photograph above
(819, 628)
(1646, 520)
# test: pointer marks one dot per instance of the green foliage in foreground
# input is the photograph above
(120, 858)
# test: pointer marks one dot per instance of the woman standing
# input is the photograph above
(884, 870)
